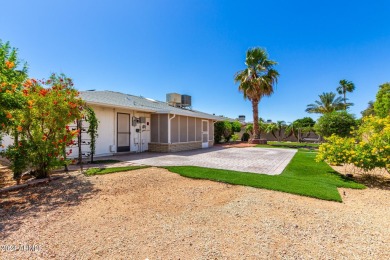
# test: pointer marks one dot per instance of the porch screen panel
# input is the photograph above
(175, 130)
(191, 129)
(198, 129)
(183, 129)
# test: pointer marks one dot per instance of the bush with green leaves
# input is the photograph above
(339, 123)
(245, 137)
(92, 129)
(225, 130)
(382, 102)
(369, 147)
(236, 126)
(305, 125)
(235, 137)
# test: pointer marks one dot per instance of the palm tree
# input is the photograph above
(326, 104)
(274, 128)
(344, 87)
(257, 81)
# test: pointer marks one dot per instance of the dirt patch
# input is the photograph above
(152, 213)
(376, 178)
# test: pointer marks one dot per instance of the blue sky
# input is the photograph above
(151, 48)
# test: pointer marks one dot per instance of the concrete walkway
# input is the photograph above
(271, 161)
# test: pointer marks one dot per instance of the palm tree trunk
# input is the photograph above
(256, 129)
(345, 100)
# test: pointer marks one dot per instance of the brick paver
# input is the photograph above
(270, 161)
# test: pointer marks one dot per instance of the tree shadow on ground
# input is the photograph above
(373, 181)
(18, 206)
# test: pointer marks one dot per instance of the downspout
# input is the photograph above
(169, 127)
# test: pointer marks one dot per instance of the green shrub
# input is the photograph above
(371, 150)
(245, 137)
(236, 126)
(222, 129)
(382, 102)
(339, 123)
(225, 130)
(235, 137)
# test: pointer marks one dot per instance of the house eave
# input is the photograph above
(121, 107)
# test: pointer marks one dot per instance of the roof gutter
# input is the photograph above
(117, 106)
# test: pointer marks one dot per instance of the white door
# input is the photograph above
(205, 133)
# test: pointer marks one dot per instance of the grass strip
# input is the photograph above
(101, 171)
(302, 176)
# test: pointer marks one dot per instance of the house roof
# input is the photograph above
(117, 99)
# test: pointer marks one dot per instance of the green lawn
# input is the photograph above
(289, 145)
(302, 176)
(100, 171)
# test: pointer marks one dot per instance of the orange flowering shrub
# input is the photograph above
(51, 105)
(11, 78)
(12, 75)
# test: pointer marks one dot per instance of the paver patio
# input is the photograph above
(270, 161)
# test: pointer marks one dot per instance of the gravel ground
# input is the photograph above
(152, 213)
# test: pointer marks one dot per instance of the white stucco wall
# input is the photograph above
(6, 141)
(106, 143)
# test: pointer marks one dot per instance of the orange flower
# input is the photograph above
(43, 92)
(20, 128)
(9, 116)
(9, 64)
(30, 102)
(28, 83)
(44, 138)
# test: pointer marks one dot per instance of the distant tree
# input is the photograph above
(327, 104)
(382, 102)
(249, 129)
(276, 129)
(369, 110)
(236, 126)
(339, 123)
(257, 81)
(225, 129)
(304, 124)
(272, 128)
(344, 87)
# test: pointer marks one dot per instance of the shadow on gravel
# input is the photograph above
(373, 181)
(17, 207)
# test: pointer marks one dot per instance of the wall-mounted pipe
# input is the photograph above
(169, 127)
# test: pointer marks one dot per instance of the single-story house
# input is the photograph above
(130, 123)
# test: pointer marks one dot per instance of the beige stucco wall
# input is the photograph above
(191, 129)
